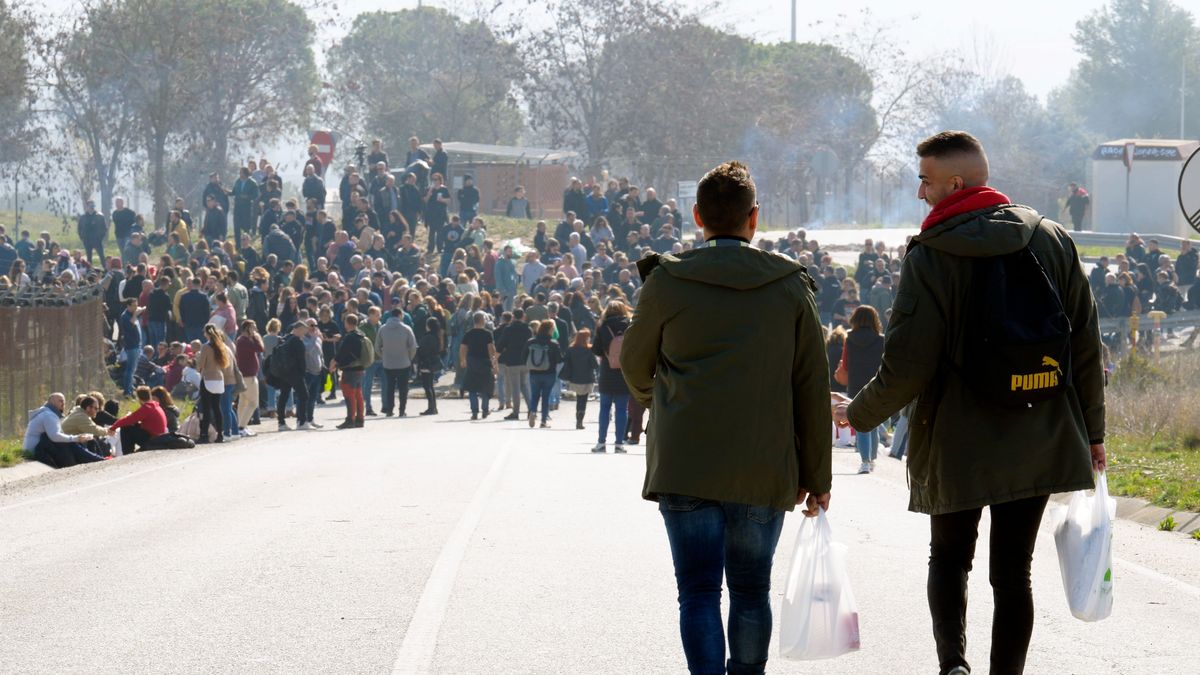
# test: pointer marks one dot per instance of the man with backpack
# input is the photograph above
(736, 440)
(355, 353)
(284, 369)
(995, 421)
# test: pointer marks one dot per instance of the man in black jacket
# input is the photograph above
(123, 220)
(287, 373)
(350, 359)
(313, 187)
(511, 346)
(216, 225)
(217, 191)
(92, 230)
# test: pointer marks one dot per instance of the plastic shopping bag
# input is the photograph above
(820, 617)
(1083, 534)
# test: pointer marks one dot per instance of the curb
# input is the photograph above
(20, 472)
(1144, 513)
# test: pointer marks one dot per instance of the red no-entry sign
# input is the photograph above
(325, 145)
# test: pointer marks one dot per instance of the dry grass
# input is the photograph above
(1154, 431)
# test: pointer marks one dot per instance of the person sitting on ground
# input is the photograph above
(140, 426)
(81, 420)
(169, 408)
(46, 442)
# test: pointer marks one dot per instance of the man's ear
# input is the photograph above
(696, 217)
(753, 222)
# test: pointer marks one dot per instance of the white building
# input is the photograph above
(1153, 186)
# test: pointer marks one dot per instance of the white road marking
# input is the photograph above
(420, 640)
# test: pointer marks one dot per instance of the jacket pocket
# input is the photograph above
(920, 423)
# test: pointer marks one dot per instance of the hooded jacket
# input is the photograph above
(45, 420)
(726, 349)
(963, 452)
(396, 344)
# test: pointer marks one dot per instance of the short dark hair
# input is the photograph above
(725, 197)
(947, 143)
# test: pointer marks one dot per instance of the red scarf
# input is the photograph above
(963, 201)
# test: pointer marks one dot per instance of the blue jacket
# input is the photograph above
(506, 276)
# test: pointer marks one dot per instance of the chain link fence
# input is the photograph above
(44, 349)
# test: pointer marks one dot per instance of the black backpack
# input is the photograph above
(1018, 338)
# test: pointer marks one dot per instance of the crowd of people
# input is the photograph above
(265, 306)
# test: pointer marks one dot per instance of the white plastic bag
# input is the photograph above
(820, 617)
(1083, 534)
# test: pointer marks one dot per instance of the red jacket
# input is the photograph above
(150, 417)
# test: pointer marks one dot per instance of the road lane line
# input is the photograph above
(420, 640)
(118, 479)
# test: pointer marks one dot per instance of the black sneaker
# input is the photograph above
(485, 414)
(514, 416)
(348, 424)
(371, 413)
(474, 416)
(428, 412)
(388, 414)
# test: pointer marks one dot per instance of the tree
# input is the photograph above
(16, 94)
(576, 86)
(257, 74)
(90, 95)
(1127, 84)
(427, 72)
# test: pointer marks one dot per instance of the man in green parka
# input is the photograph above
(727, 352)
(965, 450)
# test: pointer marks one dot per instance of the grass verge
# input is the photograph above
(1153, 432)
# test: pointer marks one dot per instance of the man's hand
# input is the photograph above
(84, 438)
(1099, 458)
(814, 501)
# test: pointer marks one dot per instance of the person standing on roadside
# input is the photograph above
(727, 419)
(289, 362)
(967, 448)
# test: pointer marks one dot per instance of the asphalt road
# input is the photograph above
(446, 546)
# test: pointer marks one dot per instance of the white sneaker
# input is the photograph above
(307, 426)
(314, 425)
(872, 465)
(865, 467)
(620, 449)
(599, 448)
(246, 433)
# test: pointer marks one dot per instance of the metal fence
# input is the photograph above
(48, 349)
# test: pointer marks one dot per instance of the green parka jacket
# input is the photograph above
(726, 350)
(964, 452)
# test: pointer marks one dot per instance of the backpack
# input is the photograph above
(1018, 338)
(276, 369)
(538, 359)
(613, 353)
(366, 354)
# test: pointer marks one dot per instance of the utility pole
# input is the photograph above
(1182, 94)
(793, 21)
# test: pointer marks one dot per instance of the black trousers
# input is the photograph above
(430, 394)
(395, 382)
(951, 550)
(133, 438)
(281, 403)
(210, 413)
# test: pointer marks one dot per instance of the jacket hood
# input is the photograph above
(44, 409)
(997, 230)
(738, 267)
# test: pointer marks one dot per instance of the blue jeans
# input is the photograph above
(713, 539)
(476, 398)
(900, 437)
(228, 415)
(868, 443)
(540, 385)
(369, 375)
(607, 401)
(131, 359)
(315, 384)
(156, 332)
(556, 390)
(193, 333)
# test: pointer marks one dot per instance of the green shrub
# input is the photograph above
(1167, 524)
